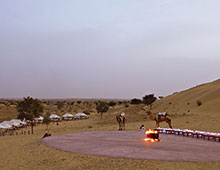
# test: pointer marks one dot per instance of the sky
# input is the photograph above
(107, 48)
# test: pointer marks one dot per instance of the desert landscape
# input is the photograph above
(28, 152)
(109, 85)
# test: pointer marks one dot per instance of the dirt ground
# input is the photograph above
(27, 152)
(131, 144)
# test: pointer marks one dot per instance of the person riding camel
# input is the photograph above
(122, 114)
(121, 120)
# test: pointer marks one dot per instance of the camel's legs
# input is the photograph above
(119, 123)
(123, 126)
(157, 124)
(123, 122)
(169, 123)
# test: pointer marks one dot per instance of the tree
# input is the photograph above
(87, 112)
(102, 107)
(112, 103)
(29, 109)
(136, 101)
(47, 120)
(60, 104)
(149, 99)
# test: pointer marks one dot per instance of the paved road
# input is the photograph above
(131, 144)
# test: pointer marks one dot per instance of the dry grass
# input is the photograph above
(7, 113)
(27, 152)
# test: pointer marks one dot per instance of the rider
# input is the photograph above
(122, 115)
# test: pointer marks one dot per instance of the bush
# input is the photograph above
(86, 112)
(60, 104)
(47, 119)
(160, 97)
(126, 105)
(112, 103)
(149, 99)
(102, 107)
(199, 103)
(119, 102)
(136, 101)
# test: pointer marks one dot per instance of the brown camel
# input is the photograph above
(121, 121)
(160, 118)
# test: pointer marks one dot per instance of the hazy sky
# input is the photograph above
(107, 48)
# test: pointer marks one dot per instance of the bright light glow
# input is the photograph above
(149, 137)
(151, 131)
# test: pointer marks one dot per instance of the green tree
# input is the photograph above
(112, 103)
(149, 99)
(29, 109)
(102, 107)
(60, 104)
(47, 120)
(136, 101)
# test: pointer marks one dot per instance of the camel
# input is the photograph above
(121, 121)
(160, 118)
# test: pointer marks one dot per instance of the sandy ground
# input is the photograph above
(27, 152)
(131, 144)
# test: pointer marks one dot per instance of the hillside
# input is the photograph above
(185, 102)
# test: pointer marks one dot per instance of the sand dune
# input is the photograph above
(186, 101)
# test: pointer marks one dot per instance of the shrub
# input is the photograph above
(86, 112)
(47, 120)
(60, 104)
(199, 103)
(160, 97)
(125, 102)
(102, 107)
(112, 103)
(136, 101)
(149, 99)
